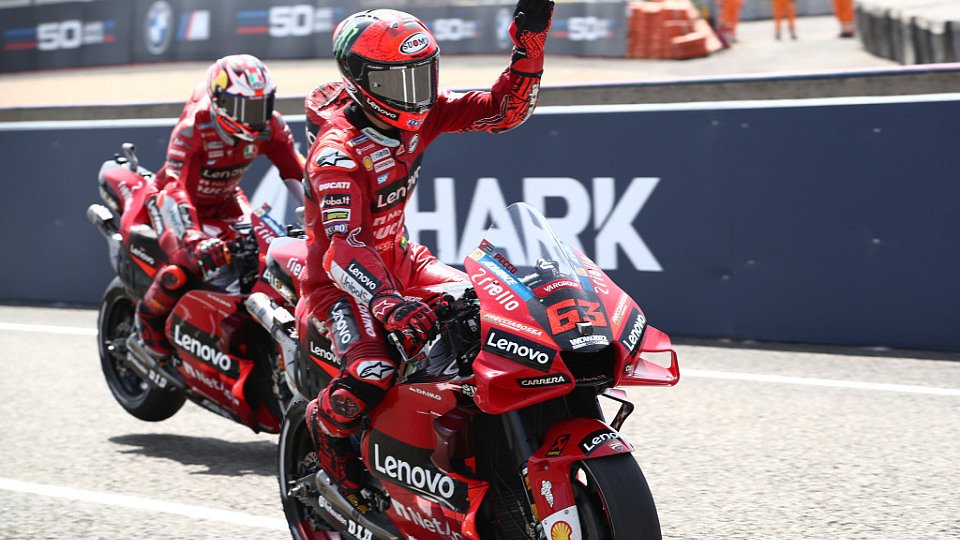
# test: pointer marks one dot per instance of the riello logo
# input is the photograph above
(594, 209)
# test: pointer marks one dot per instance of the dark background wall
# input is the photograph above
(109, 32)
(828, 221)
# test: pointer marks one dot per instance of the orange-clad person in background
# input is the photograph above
(844, 12)
(729, 16)
(781, 9)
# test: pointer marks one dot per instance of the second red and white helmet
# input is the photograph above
(241, 94)
(389, 62)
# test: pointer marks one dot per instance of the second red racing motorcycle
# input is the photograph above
(495, 429)
(223, 359)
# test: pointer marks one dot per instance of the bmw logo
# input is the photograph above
(158, 28)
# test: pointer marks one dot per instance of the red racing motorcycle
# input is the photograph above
(223, 359)
(495, 430)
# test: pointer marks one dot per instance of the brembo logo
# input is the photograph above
(415, 43)
(188, 339)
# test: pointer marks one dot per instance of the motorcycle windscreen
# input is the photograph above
(545, 274)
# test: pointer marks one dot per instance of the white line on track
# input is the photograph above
(140, 503)
(48, 329)
(831, 383)
(694, 373)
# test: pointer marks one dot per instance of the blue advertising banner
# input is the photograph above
(816, 221)
(108, 32)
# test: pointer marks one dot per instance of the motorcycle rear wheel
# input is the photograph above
(613, 500)
(134, 394)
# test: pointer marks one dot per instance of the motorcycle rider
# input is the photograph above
(370, 133)
(227, 122)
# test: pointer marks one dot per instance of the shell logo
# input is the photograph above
(561, 530)
(414, 44)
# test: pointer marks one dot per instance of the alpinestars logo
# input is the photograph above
(331, 157)
(375, 370)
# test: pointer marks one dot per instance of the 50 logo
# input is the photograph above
(73, 34)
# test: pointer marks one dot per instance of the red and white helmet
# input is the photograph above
(389, 61)
(241, 94)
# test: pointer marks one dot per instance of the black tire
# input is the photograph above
(133, 393)
(296, 458)
(613, 500)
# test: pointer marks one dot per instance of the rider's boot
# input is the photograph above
(336, 454)
(150, 332)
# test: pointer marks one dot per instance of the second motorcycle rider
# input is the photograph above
(370, 133)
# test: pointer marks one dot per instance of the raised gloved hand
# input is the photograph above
(211, 254)
(414, 320)
(531, 21)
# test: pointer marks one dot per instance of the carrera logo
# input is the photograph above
(541, 382)
(200, 345)
(597, 439)
(410, 467)
(524, 351)
(633, 331)
(415, 44)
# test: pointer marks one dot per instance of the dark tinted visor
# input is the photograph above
(254, 112)
(411, 88)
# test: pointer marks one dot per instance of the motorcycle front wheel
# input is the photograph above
(134, 394)
(613, 500)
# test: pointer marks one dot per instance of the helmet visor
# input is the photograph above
(411, 88)
(253, 112)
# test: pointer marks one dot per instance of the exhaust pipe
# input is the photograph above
(280, 324)
(103, 220)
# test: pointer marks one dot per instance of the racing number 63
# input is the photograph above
(562, 321)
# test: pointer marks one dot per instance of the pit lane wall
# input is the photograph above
(827, 221)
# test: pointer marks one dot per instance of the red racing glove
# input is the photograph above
(531, 21)
(211, 254)
(414, 320)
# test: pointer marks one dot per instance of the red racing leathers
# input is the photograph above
(199, 187)
(359, 262)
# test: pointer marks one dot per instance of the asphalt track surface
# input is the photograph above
(752, 443)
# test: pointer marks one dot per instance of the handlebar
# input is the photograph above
(458, 322)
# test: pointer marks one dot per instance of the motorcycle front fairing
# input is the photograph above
(551, 319)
